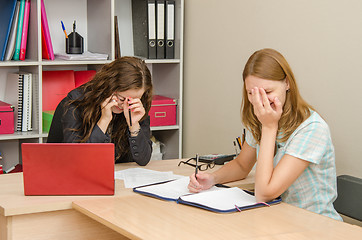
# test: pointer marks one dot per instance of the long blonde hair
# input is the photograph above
(271, 65)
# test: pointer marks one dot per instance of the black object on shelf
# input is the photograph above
(74, 42)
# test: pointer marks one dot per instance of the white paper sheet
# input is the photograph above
(224, 199)
(135, 177)
(171, 190)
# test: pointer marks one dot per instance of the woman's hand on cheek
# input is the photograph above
(268, 115)
(106, 117)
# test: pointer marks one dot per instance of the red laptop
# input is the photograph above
(68, 168)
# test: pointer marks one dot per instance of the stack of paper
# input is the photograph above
(135, 177)
(86, 56)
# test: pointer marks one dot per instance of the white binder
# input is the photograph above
(160, 29)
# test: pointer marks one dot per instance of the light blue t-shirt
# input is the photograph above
(315, 189)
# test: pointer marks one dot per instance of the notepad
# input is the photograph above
(216, 199)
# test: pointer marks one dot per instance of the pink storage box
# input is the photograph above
(6, 118)
(163, 111)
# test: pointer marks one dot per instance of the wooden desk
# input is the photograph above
(52, 217)
(142, 217)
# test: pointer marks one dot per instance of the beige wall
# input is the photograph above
(321, 39)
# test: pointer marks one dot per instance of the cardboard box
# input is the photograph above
(6, 118)
(47, 120)
(163, 111)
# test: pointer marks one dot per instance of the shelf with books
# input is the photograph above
(95, 21)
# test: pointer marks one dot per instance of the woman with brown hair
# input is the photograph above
(286, 138)
(112, 107)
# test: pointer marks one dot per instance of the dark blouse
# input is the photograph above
(140, 145)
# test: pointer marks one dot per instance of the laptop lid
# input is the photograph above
(68, 168)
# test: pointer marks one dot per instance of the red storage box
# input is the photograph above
(6, 118)
(163, 111)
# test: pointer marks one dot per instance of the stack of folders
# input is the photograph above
(154, 28)
(14, 18)
(19, 93)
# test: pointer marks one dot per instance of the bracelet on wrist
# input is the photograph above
(136, 132)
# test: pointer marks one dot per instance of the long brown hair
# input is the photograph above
(122, 74)
(271, 65)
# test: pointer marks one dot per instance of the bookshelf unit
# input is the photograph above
(95, 22)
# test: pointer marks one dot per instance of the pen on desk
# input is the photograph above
(66, 36)
(196, 167)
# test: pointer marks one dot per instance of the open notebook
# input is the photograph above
(216, 199)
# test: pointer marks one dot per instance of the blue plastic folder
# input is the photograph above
(219, 199)
(6, 18)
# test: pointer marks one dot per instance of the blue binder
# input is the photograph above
(6, 18)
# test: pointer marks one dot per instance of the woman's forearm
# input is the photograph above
(264, 166)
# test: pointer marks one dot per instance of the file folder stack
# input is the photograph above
(160, 30)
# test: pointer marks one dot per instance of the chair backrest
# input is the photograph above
(349, 200)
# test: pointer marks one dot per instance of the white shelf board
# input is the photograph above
(13, 63)
(161, 128)
(63, 62)
(20, 135)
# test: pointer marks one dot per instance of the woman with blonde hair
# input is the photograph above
(286, 138)
(112, 107)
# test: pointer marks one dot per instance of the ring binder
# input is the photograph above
(152, 29)
(160, 52)
(170, 29)
(139, 26)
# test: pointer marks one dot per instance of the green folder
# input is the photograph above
(19, 30)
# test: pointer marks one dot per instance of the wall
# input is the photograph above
(322, 40)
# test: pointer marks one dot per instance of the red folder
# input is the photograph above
(56, 85)
(24, 36)
(81, 77)
(45, 28)
(44, 49)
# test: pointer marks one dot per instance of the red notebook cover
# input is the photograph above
(44, 49)
(24, 36)
(81, 77)
(68, 168)
(45, 28)
(56, 85)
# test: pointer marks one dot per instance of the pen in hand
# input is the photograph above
(196, 167)
(130, 118)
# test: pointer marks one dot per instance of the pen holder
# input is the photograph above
(74, 43)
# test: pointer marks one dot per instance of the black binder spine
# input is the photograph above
(170, 29)
(152, 45)
(139, 24)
